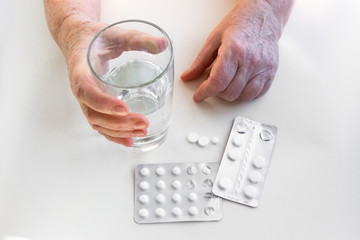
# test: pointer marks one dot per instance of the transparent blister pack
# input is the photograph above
(176, 192)
(245, 162)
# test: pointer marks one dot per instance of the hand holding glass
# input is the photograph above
(133, 61)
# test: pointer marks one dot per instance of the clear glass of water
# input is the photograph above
(133, 61)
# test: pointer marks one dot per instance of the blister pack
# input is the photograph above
(245, 162)
(176, 192)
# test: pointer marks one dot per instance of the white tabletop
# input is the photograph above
(59, 179)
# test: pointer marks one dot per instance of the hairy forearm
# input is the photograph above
(282, 9)
(266, 17)
(70, 20)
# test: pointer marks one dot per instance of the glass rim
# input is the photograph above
(131, 21)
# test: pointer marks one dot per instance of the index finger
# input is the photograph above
(116, 41)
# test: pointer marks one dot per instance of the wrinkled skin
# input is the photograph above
(243, 54)
(106, 114)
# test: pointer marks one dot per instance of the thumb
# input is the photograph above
(87, 92)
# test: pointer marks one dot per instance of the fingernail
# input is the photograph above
(120, 109)
(140, 125)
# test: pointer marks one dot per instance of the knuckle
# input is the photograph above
(246, 96)
(229, 97)
(255, 60)
(238, 49)
(218, 85)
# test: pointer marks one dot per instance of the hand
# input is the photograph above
(243, 52)
(106, 114)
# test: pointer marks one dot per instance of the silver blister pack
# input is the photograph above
(245, 162)
(176, 192)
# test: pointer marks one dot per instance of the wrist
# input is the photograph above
(261, 18)
(75, 35)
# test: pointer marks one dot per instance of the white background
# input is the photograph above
(59, 179)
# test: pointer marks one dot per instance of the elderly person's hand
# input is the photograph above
(106, 114)
(242, 51)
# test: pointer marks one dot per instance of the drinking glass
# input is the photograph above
(133, 61)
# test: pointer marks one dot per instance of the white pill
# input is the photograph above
(193, 197)
(224, 183)
(215, 140)
(144, 171)
(144, 185)
(160, 184)
(193, 211)
(144, 199)
(176, 184)
(203, 141)
(160, 212)
(176, 198)
(176, 171)
(259, 162)
(251, 192)
(234, 154)
(143, 213)
(160, 198)
(238, 140)
(192, 137)
(160, 171)
(176, 211)
(255, 177)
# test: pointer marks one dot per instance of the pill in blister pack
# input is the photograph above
(176, 192)
(245, 162)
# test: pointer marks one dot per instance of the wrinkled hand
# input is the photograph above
(106, 114)
(243, 52)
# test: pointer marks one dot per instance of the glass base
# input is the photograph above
(148, 143)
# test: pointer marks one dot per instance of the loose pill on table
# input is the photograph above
(160, 171)
(203, 141)
(192, 137)
(215, 140)
(143, 213)
(193, 211)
